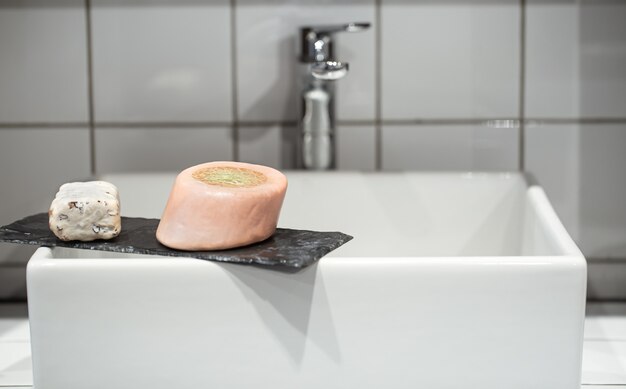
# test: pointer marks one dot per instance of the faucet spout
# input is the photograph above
(317, 130)
(329, 70)
(317, 119)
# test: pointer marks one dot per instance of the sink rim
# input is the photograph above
(565, 248)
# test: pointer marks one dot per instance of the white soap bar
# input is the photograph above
(86, 211)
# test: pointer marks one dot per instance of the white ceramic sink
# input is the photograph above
(451, 281)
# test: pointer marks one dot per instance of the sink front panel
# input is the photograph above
(344, 323)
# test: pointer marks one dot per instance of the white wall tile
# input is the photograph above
(552, 59)
(581, 167)
(606, 308)
(602, 40)
(606, 327)
(267, 52)
(16, 368)
(552, 156)
(278, 147)
(260, 145)
(34, 163)
(159, 149)
(43, 65)
(450, 147)
(604, 362)
(161, 62)
(356, 148)
(273, 146)
(14, 325)
(13, 275)
(605, 280)
(603, 190)
(450, 59)
(576, 59)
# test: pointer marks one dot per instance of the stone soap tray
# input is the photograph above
(287, 247)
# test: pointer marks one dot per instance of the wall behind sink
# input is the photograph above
(101, 86)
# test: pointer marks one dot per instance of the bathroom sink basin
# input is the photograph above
(452, 280)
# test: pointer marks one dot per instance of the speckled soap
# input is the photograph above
(85, 211)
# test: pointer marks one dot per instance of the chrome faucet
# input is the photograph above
(317, 90)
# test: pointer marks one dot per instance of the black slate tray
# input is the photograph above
(286, 248)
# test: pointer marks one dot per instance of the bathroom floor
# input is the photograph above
(604, 355)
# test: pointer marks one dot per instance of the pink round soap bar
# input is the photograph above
(221, 205)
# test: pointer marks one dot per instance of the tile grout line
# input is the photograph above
(377, 88)
(522, 88)
(45, 125)
(234, 84)
(90, 98)
(619, 261)
(162, 124)
(607, 300)
(390, 122)
(605, 340)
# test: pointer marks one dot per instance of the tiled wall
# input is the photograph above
(110, 85)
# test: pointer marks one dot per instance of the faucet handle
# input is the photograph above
(317, 43)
